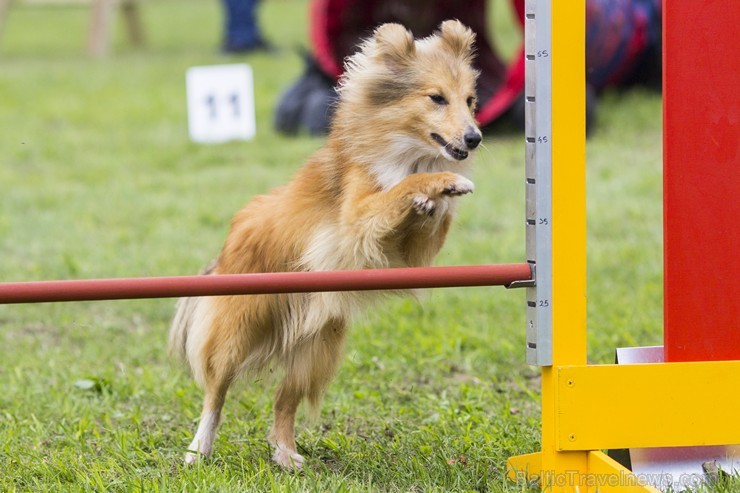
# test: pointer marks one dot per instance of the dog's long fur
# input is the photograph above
(380, 193)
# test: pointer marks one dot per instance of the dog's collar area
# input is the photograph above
(454, 152)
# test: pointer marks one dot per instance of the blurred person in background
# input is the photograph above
(623, 49)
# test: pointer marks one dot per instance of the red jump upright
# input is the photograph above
(701, 180)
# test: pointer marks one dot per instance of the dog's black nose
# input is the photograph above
(472, 138)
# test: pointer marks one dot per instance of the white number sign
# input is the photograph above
(220, 103)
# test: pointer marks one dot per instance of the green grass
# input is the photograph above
(98, 179)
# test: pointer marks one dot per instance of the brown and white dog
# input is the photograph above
(380, 193)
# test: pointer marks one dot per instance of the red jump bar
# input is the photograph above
(267, 283)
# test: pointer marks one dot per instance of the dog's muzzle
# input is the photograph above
(471, 138)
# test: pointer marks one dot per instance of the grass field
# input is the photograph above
(98, 179)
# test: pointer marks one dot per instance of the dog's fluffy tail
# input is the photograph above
(182, 325)
(180, 328)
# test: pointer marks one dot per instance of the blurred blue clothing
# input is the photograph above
(241, 31)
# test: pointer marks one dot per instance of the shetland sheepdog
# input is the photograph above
(380, 193)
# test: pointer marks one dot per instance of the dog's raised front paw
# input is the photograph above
(287, 458)
(460, 186)
(423, 205)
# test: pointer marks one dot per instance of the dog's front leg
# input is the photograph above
(382, 213)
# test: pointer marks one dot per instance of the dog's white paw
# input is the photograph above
(423, 205)
(191, 458)
(199, 448)
(287, 458)
(461, 186)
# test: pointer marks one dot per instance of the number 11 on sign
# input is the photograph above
(220, 103)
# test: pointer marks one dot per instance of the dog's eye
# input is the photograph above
(438, 98)
(471, 102)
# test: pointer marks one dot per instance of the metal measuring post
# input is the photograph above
(538, 135)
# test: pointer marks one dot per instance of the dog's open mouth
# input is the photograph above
(454, 152)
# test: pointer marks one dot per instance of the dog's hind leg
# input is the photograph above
(282, 436)
(309, 369)
(202, 443)
(217, 358)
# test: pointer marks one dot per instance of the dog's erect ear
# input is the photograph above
(394, 45)
(459, 38)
